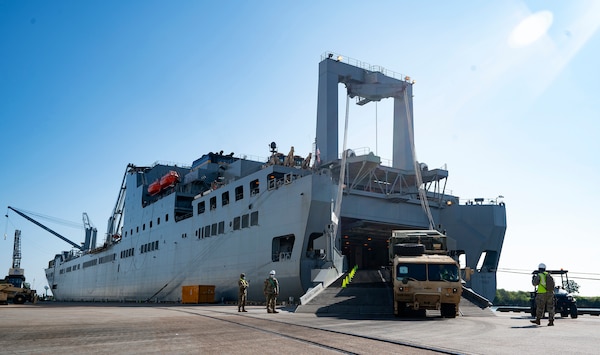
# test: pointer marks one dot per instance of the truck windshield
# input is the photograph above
(424, 272)
(443, 272)
(411, 271)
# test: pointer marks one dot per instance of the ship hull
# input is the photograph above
(206, 224)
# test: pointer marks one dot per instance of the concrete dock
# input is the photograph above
(117, 328)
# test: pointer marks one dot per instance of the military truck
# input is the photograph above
(14, 288)
(424, 275)
(18, 295)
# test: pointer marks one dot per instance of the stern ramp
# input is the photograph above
(370, 293)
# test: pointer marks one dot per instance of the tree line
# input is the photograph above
(521, 298)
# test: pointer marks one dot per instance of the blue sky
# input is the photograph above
(506, 97)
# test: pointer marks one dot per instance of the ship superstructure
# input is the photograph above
(308, 219)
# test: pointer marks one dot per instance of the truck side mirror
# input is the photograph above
(468, 273)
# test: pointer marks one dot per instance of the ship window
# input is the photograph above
(201, 207)
(156, 243)
(236, 223)
(487, 261)
(150, 224)
(167, 217)
(207, 231)
(126, 233)
(214, 229)
(254, 187)
(131, 231)
(225, 198)
(462, 260)
(144, 226)
(254, 218)
(158, 221)
(137, 229)
(245, 221)
(213, 203)
(282, 247)
(221, 227)
(239, 193)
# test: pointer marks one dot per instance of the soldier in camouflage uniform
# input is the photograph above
(544, 298)
(242, 293)
(271, 291)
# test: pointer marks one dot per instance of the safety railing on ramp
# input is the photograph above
(475, 298)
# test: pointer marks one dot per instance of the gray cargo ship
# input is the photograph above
(308, 218)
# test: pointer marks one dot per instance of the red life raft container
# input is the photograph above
(169, 179)
(154, 188)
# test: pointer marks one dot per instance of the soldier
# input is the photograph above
(243, 293)
(271, 291)
(544, 297)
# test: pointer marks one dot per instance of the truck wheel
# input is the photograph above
(19, 299)
(448, 310)
(574, 311)
(409, 249)
(401, 306)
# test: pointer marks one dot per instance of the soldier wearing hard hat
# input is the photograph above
(271, 291)
(544, 298)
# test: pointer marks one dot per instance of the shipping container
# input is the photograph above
(198, 294)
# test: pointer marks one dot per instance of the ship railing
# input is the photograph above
(169, 163)
(285, 180)
(499, 200)
(364, 65)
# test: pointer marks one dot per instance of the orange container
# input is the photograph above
(198, 294)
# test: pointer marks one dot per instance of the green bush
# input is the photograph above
(521, 298)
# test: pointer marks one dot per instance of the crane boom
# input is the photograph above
(75, 245)
(16, 262)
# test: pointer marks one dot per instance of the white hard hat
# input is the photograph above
(272, 272)
(542, 266)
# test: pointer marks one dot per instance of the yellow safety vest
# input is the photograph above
(542, 285)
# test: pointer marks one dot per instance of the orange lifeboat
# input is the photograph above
(154, 188)
(169, 179)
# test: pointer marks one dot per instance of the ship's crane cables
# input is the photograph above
(55, 220)
(574, 273)
(411, 134)
(192, 264)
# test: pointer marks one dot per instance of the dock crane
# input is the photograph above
(90, 233)
(14, 287)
